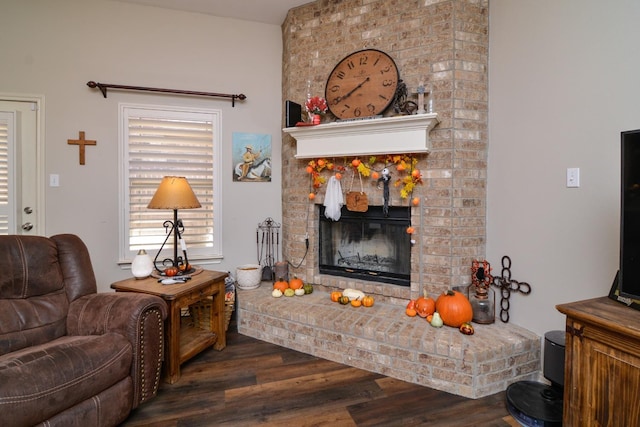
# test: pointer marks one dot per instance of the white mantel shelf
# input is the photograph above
(387, 135)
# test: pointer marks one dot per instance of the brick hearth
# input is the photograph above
(383, 339)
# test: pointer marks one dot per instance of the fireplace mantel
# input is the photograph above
(387, 135)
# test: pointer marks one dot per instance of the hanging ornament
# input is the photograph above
(385, 178)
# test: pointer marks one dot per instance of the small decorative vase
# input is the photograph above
(316, 119)
(142, 265)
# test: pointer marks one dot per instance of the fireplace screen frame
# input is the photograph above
(398, 218)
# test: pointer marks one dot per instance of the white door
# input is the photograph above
(20, 194)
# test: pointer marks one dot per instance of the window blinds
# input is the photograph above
(162, 143)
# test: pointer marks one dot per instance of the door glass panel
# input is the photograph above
(7, 219)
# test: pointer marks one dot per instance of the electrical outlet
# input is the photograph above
(54, 180)
(573, 177)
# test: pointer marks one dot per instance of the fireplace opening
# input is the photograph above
(367, 245)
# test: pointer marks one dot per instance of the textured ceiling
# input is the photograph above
(265, 11)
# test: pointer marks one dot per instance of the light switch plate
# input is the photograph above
(573, 177)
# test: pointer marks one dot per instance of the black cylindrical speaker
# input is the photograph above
(554, 344)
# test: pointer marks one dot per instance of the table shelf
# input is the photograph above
(193, 340)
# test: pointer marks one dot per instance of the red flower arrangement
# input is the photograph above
(316, 105)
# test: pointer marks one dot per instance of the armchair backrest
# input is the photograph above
(39, 278)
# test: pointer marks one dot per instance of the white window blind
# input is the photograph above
(161, 141)
(6, 177)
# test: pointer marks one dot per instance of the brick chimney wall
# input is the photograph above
(444, 44)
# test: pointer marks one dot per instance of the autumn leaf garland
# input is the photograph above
(404, 163)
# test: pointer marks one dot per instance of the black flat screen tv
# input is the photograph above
(629, 274)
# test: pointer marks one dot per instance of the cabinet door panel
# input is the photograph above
(614, 396)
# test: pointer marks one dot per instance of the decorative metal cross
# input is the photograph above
(81, 143)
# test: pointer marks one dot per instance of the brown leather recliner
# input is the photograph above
(70, 356)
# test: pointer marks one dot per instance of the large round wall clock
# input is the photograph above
(363, 84)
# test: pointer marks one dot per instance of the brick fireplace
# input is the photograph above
(445, 44)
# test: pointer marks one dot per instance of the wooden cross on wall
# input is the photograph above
(81, 143)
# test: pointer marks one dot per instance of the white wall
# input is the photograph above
(563, 84)
(53, 48)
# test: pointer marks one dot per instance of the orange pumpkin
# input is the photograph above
(296, 283)
(356, 302)
(368, 301)
(281, 285)
(425, 305)
(335, 296)
(171, 271)
(454, 308)
(411, 312)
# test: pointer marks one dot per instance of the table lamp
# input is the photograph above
(174, 192)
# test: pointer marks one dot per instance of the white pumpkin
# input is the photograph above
(353, 294)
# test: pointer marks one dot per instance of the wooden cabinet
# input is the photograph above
(602, 364)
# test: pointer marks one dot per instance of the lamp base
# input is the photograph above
(159, 274)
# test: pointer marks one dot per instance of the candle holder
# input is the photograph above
(480, 294)
(483, 303)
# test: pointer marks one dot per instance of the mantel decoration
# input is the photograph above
(316, 106)
(405, 165)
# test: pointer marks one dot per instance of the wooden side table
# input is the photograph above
(183, 341)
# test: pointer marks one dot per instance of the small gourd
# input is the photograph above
(289, 292)
(436, 321)
(344, 300)
(466, 328)
(353, 293)
(276, 293)
(424, 305)
(299, 291)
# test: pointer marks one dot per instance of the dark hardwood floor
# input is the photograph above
(252, 382)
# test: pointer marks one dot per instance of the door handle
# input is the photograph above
(27, 226)
(28, 210)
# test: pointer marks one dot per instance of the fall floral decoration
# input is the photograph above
(316, 166)
(405, 167)
(316, 105)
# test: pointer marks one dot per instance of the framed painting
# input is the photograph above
(251, 157)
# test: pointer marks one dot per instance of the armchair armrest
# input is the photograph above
(139, 318)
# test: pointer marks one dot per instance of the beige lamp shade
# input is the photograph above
(174, 192)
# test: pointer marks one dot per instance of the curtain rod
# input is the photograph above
(103, 88)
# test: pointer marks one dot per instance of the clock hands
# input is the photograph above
(348, 94)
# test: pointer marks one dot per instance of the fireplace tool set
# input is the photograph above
(268, 244)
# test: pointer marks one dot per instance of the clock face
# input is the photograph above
(363, 84)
